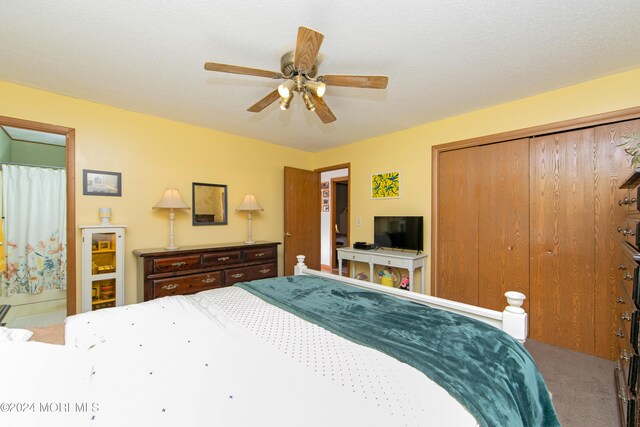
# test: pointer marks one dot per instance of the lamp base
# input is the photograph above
(249, 242)
(171, 248)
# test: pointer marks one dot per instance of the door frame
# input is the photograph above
(70, 149)
(561, 126)
(332, 263)
(319, 171)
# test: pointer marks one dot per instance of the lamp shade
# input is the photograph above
(249, 203)
(171, 199)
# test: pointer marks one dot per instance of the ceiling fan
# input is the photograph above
(299, 71)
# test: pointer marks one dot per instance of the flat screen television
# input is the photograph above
(398, 232)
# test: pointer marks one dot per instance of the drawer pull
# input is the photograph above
(627, 201)
(630, 232)
(624, 356)
(389, 262)
(625, 316)
(620, 333)
(622, 397)
(171, 286)
(209, 280)
(627, 276)
(237, 275)
(223, 258)
(265, 270)
(620, 300)
(258, 255)
(178, 264)
(622, 267)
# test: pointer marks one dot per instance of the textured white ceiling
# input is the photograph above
(442, 57)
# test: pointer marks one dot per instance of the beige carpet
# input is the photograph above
(582, 386)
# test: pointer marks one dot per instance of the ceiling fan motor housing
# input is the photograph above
(287, 68)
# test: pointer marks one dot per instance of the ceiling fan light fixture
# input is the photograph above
(308, 102)
(286, 88)
(316, 88)
(286, 102)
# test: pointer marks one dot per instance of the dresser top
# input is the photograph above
(201, 248)
(633, 180)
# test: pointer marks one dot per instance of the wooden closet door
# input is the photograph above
(503, 221)
(562, 296)
(457, 239)
(613, 167)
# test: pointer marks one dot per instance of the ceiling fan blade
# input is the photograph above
(366, 82)
(322, 110)
(235, 69)
(307, 48)
(264, 102)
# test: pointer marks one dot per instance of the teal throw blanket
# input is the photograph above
(491, 374)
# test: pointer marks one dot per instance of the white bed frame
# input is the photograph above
(513, 320)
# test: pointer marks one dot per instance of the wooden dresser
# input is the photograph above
(627, 303)
(192, 269)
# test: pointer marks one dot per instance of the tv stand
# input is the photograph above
(386, 258)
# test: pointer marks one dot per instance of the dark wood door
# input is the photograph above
(457, 235)
(503, 221)
(562, 296)
(301, 218)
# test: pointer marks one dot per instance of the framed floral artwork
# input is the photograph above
(385, 185)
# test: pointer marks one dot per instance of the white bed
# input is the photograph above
(223, 357)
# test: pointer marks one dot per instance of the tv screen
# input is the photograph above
(398, 232)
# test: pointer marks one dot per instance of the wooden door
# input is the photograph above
(613, 168)
(503, 221)
(562, 296)
(301, 218)
(457, 235)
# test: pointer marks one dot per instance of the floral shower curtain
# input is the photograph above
(35, 229)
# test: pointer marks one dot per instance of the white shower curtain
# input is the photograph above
(35, 228)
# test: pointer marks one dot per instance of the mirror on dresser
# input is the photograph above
(209, 204)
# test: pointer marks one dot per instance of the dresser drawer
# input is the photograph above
(628, 362)
(626, 401)
(627, 315)
(259, 254)
(244, 274)
(187, 284)
(221, 258)
(165, 265)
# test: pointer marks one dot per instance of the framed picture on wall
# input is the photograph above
(325, 208)
(385, 185)
(101, 183)
(325, 193)
(324, 185)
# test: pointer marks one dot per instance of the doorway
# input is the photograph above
(334, 218)
(39, 147)
(309, 228)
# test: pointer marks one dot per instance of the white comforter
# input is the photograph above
(226, 358)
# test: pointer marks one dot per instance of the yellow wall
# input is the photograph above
(410, 150)
(153, 154)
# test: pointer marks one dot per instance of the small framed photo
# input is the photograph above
(101, 183)
(325, 201)
(324, 185)
(325, 208)
(104, 245)
(325, 193)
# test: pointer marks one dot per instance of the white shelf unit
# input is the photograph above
(384, 257)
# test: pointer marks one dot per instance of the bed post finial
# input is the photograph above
(514, 318)
(297, 270)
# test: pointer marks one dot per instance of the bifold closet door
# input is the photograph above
(613, 168)
(503, 221)
(562, 296)
(457, 239)
(483, 223)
